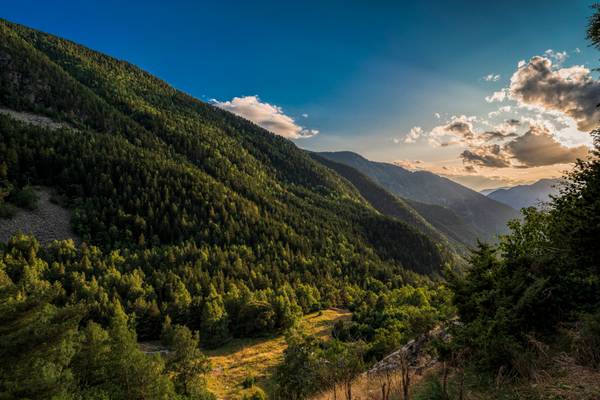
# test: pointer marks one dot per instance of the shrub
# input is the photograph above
(25, 198)
(248, 382)
(430, 389)
(586, 343)
(7, 210)
(254, 394)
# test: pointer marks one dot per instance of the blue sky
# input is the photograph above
(364, 73)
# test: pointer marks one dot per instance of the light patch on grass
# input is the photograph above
(258, 357)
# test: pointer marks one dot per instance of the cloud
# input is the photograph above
(305, 115)
(571, 90)
(558, 56)
(414, 134)
(486, 156)
(538, 147)
(412, 165)
(458, 130)
(268, 116)
(498, 96)
(503, 109)
(437, 115)
(491, 78)
(497, 135)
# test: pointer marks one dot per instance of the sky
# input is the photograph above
(489, 94)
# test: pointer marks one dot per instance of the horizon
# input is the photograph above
(378, 82)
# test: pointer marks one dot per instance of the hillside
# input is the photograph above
(150, 169)
(534, 195)
(388, 204)
(482, 217)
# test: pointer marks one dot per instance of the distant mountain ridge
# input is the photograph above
(533, 195)
(484, 217)
(485, 192)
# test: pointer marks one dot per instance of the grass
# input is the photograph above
(243, 358)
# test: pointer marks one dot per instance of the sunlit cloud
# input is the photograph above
(415, 133)
(268, 116)
(537, 147)
(571, 91)
(498, 96)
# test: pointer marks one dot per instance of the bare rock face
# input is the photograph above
(33, 119)
(412, 354)
(47, 222)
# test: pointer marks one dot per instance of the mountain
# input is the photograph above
(187, 218)
(383, 201)
(484, 217)
(440, 223)
(485, 192)
(533, 195)
(145, 166)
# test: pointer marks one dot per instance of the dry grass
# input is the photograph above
(241, 358)
(367, 387)
(564, 379)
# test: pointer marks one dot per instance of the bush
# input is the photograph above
(7, 210)
(254, 394)
(248, 382)
(586, 343)
(25, 198)
(430, 389)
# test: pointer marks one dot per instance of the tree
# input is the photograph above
(37, 343)
(137, 375)
(342, 363)
(297, 376)
(215, 321)
(186, 363)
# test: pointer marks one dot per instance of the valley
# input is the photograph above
(162, 244)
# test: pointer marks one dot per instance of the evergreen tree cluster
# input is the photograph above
(51, 349)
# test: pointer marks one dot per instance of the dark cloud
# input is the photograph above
(570, 90)
(497, 135)
(538, 147)
(486, 156)
(461, 128)
(535, 148)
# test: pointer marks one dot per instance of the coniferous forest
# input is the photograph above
(194, 227)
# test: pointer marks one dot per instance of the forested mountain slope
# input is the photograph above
(407, 211)
(482, 217)
(194, 202)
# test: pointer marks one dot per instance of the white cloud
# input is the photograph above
(305, 115)
(437, 115)
(268, 116)
(415, 133)
(498, 96)
(558, 56)
(491, 78)
(503, 109)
